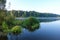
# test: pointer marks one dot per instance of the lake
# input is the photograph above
(48, 30)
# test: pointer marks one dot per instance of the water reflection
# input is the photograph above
(17, 37)
(33, 29)
(3, 37)
(48, 20)
(12, 37)
(37, 33)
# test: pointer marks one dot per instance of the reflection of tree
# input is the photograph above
(3, 36)
(48, 20)
(36, 26)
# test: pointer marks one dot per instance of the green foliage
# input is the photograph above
(4, 26)
(35, 26)
(3, 1)
(31, 23)
(9, 19)
(16, 29)
(2, 16)
(17, 22)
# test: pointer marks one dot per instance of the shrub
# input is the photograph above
(2, 15)
(16, 30)
(17, 22)
(31, 23)
(9, 20)
(5, 27)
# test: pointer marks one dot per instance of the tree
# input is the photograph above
(2, 4)
(2, 11)
(24, 14)
(2, 16)
(18, 13)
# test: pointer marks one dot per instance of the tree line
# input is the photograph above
(20, 13)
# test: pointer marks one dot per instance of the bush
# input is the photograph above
(17, 22)
(5, 27)
(16, 30)
(2, 15)
(31, 23)
(9, 20)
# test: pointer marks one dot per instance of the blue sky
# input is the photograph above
(49, 6)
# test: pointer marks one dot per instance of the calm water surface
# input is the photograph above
(46, 31)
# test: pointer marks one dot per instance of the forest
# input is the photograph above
(20, 13)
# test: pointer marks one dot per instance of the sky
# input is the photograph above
(47, 6)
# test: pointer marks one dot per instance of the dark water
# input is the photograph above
(48, 30)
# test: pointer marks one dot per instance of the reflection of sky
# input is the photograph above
(52, 6)
(51, 29)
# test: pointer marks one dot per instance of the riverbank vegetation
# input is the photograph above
(8, 23)
(16, 30)
(31, 24)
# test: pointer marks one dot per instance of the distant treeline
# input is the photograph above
(31, 13)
